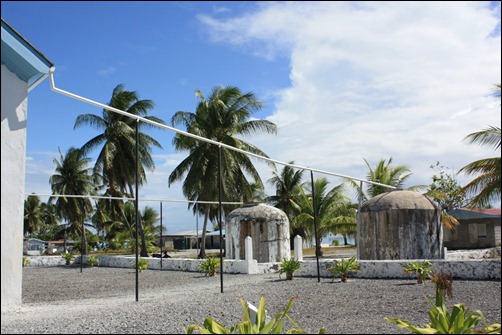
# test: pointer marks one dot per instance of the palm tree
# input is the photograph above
(325, 208)
(32, 215)
(130, 216)
(287, 190)
(220, 118)
(72, 177)
(149, 217)
(110, 216)
(486, 185)
(385, 174)
(344, 221)
(102, 220)
(116, 162)
(50, 216)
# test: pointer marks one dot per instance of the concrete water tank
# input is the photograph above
(399, 224)
(266, 225)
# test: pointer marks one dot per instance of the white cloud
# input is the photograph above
(407, 80)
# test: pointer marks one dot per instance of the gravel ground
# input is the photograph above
(61, 300)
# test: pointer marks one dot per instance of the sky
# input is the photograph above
(343, 81)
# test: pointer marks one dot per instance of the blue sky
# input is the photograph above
(342, 80)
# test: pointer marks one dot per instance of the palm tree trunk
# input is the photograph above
(64, 238)
(144, 251)
(318, 250)
(202, 253)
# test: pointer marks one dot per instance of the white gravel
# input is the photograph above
(61, 300)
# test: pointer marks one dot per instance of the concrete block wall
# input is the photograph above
(459, 265)
(481, 269)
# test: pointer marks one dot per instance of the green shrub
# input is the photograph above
(344, 267)
(335, 243)
(91, 260)
(67, 257)
(422, 270)
(142, 264)
(458, 321)
(262, 325)
(289, 266)
(209, 266)
(26, 261)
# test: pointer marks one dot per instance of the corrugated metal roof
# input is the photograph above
(216, 233)
(193, 233)
(34, 239)
(185, 233)
(475, 213)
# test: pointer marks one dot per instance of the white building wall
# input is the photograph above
(14, 114)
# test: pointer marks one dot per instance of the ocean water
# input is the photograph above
(327, 240)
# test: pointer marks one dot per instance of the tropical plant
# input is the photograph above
(116, 162)
(150, 217)
(289, 266)
(122, 241)
(344, 221)
(221, 118)
(209, 266)
(325, 201)
(102, 219)
(72, 178)
(344, 267)
(444, 285)
(260, 325)
(91, 261)
(422, 270)
(446, 193)
(26, 261)
(50, 230)
(50, 214)
(142, 264)
(111, 216)
(486, 186)
(32, 215)
(385, 174)
(442, 321)
(335, 243)
(287, 191)
(68, 256)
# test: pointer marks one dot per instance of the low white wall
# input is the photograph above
(45, 260)
(463, 269)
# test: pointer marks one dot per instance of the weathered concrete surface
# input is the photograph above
(46, 260)
(399, 224)
(463, 269)
(266, 225)
(473, 254)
